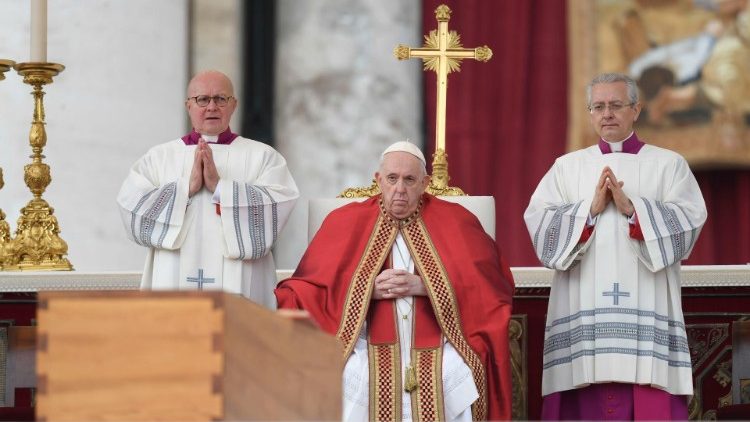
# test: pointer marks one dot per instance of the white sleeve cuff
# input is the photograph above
(216, 199)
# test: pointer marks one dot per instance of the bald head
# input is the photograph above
(212, 77)
(210, 118)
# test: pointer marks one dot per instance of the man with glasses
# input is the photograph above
(614, 220)
(211, 205)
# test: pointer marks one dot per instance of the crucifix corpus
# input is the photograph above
(442, 52)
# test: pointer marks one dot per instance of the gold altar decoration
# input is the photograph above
(37, 244)
(518, 367)
(5, 65)
(365, 192)
(442, 53)
(4, 228)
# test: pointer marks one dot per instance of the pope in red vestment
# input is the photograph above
(461, 286)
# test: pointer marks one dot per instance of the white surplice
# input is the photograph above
(459, 389)
(615, 311)
(191, 246)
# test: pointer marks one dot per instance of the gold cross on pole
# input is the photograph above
(442, 52)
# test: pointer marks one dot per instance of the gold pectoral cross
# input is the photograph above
(442, 52)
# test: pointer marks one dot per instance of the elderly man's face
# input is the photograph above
(211, 119)
(613, 115)
(402, 181)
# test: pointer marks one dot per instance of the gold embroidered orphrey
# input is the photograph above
(442, 53)
(385, 387)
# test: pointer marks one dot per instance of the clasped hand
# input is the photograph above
(395, 284)
(607, 190)
(204, 170)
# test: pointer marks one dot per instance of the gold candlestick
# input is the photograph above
(5, 65)
(37, 244)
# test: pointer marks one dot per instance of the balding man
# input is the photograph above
(209, 206)
(419, 296)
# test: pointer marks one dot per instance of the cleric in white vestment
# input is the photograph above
(211, 205)
(614, 220)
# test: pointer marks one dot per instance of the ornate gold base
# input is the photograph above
(440, 177)
(64, 265)
(37, 245)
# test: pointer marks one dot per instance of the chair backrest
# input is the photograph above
(481, 206)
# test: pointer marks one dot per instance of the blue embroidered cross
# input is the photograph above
(200, 280)
(616, 293)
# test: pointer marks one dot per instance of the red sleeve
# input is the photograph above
(320, 282)
(287, 299)
(587, 231)
(635, 229)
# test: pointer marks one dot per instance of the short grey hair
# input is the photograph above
(609, 78)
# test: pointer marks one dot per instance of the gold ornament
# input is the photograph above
(5, 65)
(442, 53)
(37, 244)
(363, 192)
(410, 384)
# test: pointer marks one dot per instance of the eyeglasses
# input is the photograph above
(204, 100)
(613, 107)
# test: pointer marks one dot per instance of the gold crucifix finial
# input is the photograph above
(442, 53)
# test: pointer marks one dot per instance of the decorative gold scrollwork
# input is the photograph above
(401, 52)
(5, 65)
(483, 53)
(361, 192)
(517, 339)
(443, 13)
(440, 178)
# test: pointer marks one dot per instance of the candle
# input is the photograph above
(38, 30)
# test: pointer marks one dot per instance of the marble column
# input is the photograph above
(341, 96)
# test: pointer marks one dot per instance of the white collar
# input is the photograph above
(617, 146)
(211, 139)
